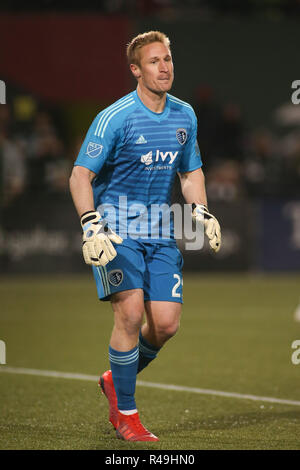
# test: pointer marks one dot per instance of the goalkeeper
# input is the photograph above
(129, 158)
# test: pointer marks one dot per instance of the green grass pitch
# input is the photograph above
(235, 336)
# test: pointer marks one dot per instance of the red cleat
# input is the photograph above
(107, 387)
(131, 429)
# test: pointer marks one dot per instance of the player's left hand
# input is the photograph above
(212, 227)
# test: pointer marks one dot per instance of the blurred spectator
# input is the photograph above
(287, 120)
(260, 164)
(208, 115)
(229, 137)
(291, 165)
(12, 167)
(46, 165)
(287, 115)
(263, 165)
(224, 182)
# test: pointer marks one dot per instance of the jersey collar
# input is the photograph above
(155, 116)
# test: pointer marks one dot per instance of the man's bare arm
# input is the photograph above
(81, 189)
(193, 187)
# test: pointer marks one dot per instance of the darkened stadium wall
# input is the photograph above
(80, 57)
(65, 58)
(248, 62)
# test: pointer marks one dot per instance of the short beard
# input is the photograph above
(160, 92)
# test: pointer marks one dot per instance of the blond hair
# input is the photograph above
(133, 48)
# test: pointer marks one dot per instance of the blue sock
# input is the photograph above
(124, 369)
(147, 352)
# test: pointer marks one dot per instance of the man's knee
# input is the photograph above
(168, 329)
(163, 320)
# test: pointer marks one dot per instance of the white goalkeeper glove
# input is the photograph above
(97, 239)
(212, 227)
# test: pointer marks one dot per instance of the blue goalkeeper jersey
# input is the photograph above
(136, 154)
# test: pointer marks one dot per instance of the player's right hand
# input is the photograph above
(97, 247)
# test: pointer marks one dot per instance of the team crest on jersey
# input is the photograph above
(93, 150)
(181, 135)
(115, 277)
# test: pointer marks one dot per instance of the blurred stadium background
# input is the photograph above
(235, 62)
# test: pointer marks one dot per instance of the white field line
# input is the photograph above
(176, 388)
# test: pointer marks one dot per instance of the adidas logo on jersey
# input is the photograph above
(141, 140)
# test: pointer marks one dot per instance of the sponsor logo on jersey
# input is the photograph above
(181, 135)
(141, 140)
(148, 158)
(93, 150)
(115, 277)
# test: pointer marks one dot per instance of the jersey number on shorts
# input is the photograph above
(174, 290)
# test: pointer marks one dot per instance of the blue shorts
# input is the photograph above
(156, 268)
